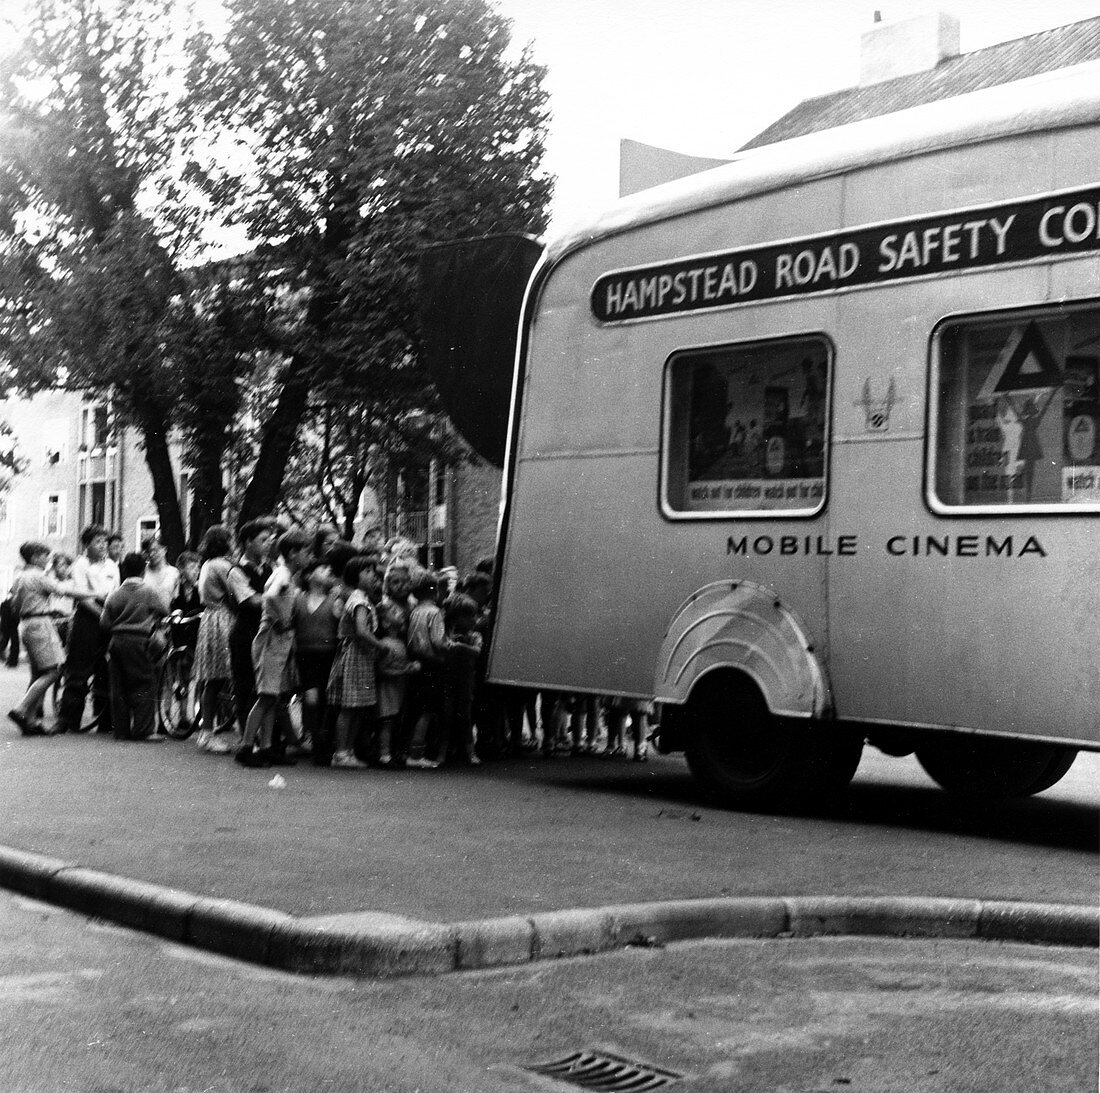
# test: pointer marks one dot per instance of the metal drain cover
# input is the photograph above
(603, 1071)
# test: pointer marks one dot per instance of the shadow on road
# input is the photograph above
(1030, 821)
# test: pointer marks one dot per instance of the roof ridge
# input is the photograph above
(955, 58)
(1000, 62)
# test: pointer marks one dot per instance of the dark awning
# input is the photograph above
(470, 314)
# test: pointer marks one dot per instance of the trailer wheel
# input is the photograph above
(984, 767)
(746, 756)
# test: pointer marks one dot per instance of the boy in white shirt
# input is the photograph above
(86, 656)
(164, 579)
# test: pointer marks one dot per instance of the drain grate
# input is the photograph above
(608, 1073)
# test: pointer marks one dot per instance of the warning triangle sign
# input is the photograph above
(1025, 364)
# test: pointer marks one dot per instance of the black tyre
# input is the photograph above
(748, 757)
(225, 713)
(177, 719)
(86, 723)
(990, 768)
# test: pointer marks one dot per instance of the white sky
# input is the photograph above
(704, 76)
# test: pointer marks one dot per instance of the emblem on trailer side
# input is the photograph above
(876, 412)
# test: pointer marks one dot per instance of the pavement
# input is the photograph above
(379, 873)
(86, 1005)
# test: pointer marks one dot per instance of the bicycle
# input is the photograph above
(178, 708)
(49, 708)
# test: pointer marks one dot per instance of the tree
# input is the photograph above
(368, 129)
(12, 461)
(346, 445)
(86, 278)
(226, 334)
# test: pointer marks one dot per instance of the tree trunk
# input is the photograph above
(205, 456)
(276, 443)
(207, 506)
(281, 429)
(151, 421)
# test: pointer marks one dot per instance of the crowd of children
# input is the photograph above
(382, 659)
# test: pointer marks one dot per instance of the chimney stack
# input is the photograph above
(907, 46)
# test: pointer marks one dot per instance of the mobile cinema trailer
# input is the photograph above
(807, 449)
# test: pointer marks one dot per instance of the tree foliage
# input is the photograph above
(368, 128)
(12, 460)
(219, 328)
(86, 279)
(342, 135)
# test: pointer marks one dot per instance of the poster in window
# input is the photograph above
(1030, 412)
(756, 428)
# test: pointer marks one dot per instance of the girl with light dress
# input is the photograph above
(273, 653)
(212, 673)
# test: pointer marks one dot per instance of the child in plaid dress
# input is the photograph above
(352, 686)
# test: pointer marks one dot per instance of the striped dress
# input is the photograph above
(352, 682)
(212, 646)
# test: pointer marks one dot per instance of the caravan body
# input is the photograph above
(816, 435)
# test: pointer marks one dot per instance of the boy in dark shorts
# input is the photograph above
(31, 602)
(130, 615)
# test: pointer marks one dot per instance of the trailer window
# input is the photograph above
(746, 428)
(1016, 411)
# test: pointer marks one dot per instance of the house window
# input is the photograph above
(146, 526)
(1015, 412)
(747, 429)
(56, 439)
(52, 520)
(185, 501)
(5, 519)
(439, 482)
(97, 503)
(97, 467)
(95, 426)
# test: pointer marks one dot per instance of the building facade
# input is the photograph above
(450, 508)
(81, 468)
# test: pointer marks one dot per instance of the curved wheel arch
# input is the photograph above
(744, 626)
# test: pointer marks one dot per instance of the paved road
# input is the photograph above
(522, 836)
(94, 1008)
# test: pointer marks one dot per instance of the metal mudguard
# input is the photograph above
(743, 625)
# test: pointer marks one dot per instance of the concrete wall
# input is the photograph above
(474, 507)
(642, 166)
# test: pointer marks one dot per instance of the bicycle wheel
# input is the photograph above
(225, 713)
(50, 705)
(177, 719)
(87, 724)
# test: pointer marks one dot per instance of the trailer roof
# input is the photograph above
(1062, 99)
